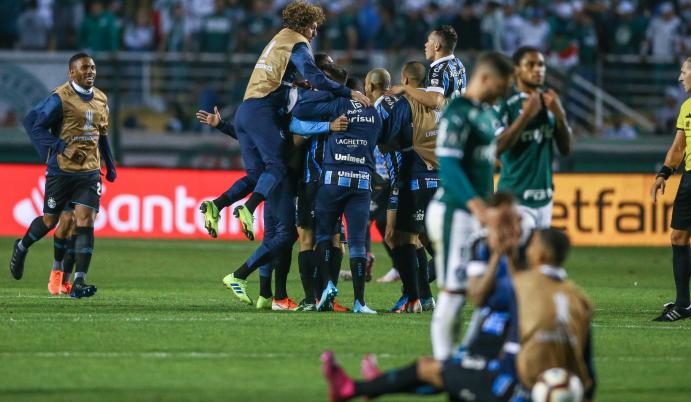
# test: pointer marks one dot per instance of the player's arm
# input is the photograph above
(563, 134)
(318, 106)
(107, 155)
(38, 123)
(214, 120)
(450, 143)
(310, 128)
(481, 278)
(672, 160)
(432, 100)
(507, 138)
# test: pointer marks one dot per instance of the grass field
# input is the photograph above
(163, 328)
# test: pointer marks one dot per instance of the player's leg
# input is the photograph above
(422, 198)
(60, 239)
(68, 260)
(86, 199)
(328, 208)
(212, 209)
(308, 267)
(355, 211)
(281, 300)
(58, 189)
(265, 298)
(338, 251)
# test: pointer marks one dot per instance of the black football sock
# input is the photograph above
(357, 268)
(265, 286)
(254, 200)
(222, 202)
(243, 272)
(307, 271)
(406, 263)
(324, 256)
(431, 270)
(59, 248)
(68, 261)
(37, 229)
(83, 248)
(281, 271)
(682, 271)
(423, 274)
(336, 261)
(402, 380)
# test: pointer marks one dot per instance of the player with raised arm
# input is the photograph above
(466, 154)
(262, 140)
(69, 130)
(533, 122)
(681, 212)
(446, 76)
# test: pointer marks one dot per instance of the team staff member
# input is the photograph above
(681, 213)
(69, 130)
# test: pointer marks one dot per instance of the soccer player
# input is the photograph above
(533, 122)
(345, 186)
(413, 127)
(446, 78)
(681, 213)
(262, 142)
(548, 326)
(63, 254)
(465, 152)
(69, 130)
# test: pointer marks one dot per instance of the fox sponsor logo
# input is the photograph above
(537, 194)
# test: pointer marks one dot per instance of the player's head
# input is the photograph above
(303, 18)
(377, 81)
(548, 247)
(440, 42)
(503, 215)
(491, 77)
(322, 59)
(82, 70)
(336, 73)
(685, 75)
(530, 66)
(413, 73)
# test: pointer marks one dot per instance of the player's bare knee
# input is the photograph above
(306, 239)
(50, 221)
(429, 370)
(680, 237)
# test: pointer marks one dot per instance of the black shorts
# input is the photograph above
(412, 205)
(306, 194)
(472, 384)
(379, 204)
(681, 212)
(66, 190)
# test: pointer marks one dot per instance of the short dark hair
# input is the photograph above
(558, 243)
(415, 71)
(501, 198)
(76, 57)
(321, 60)
(336, 73)
(496, 61)
(519, 54)
(448, 37)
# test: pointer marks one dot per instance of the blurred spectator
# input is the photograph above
(563, 50)
(99, 30)
(627, 31)
(416, 29)
(196, 11)
(586, 37)
(620, 130)
(512, 25)
(33, 28)
(666, 115)
(217, 30)
(663, 34)
(340, 30)
(388, 36)
(367, 23)
(9, 13)
(259, 27)
(467, 26)
(174, 29)
(492, 26)
(139, 35)
(67, 17)
(535, 31)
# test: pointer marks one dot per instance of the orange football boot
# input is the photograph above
(54, 282)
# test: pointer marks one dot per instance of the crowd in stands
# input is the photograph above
(573, 32)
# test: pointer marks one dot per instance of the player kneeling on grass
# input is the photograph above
(69, 130)
(546, 327)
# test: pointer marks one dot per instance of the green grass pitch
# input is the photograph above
(163, 328)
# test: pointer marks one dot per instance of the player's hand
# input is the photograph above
(74, 154)
(396, 90)
(304, 84)
(111, 175)
(340, 124)
(658, 185)
(532, 105)
(212, 119)
(360, 97)
(479, 210)
(552, 102)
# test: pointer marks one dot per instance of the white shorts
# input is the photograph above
(452, 232)
(534, 218)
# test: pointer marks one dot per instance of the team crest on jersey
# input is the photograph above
(51, 202)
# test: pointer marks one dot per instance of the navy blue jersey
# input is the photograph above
(347, 151)
(398, 128)
(447, 77)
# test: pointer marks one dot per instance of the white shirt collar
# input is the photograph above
(378, 101)
(553, 272)
(445, 58)
(81, 90)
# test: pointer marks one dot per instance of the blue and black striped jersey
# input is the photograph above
(447, 77)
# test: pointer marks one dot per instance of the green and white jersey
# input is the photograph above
(466, 139)
(526, 168)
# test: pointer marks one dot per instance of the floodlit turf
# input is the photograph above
(163, 328)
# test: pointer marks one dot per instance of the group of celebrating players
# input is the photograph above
(314, 150)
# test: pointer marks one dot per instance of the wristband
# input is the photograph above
(665, 172)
